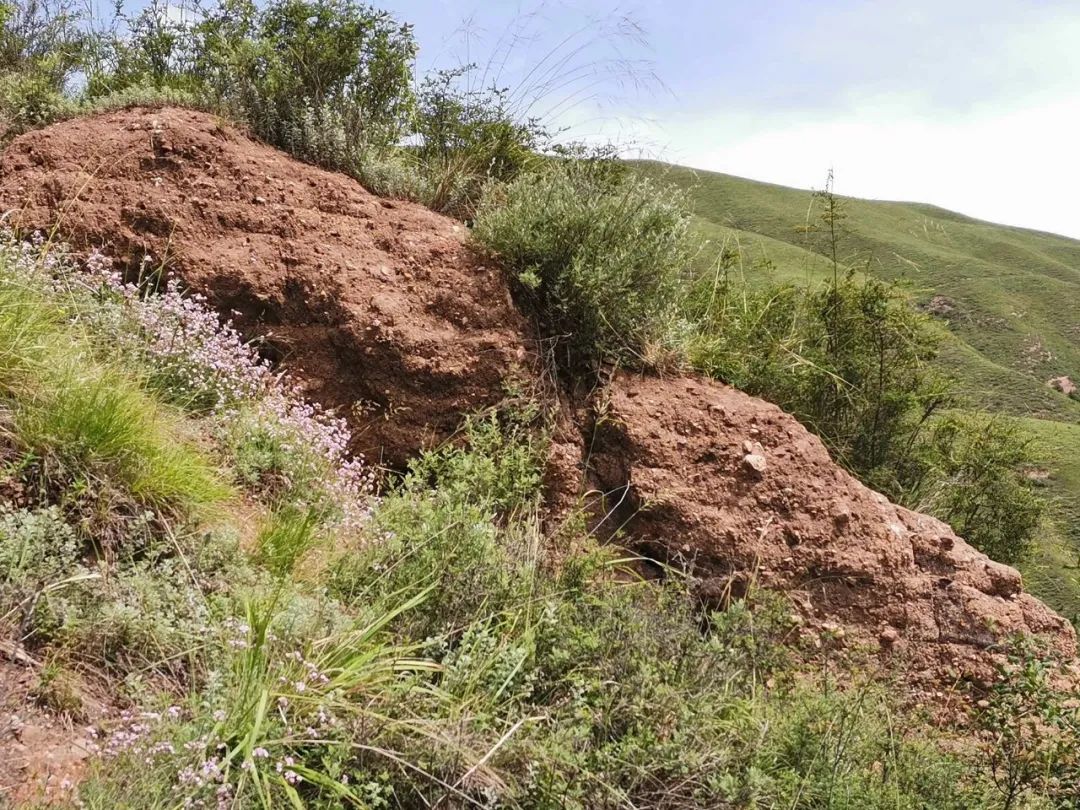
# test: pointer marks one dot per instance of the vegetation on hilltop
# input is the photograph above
(597, 254)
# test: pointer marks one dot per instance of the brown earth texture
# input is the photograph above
(700, 474)
(380, 309)
(42, 754)
(376, 305)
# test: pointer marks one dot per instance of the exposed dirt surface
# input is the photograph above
(42, 755)
(697, 471)
(1063, 384)
(376, 305)
(378, 308)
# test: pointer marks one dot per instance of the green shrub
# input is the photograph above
(142, 609)
(854, 748)
(974, 480)
(431, 541)
(850, 360)
(320, 78)
(150, 49)
(29, 100)
(393, 173)
(42, 43)
(140, 96)
(597, 254)
(499, 467)
(1029, 731)
(467, 137)
(37, 549)
(462, 521)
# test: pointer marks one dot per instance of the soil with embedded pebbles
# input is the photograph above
(376, 305)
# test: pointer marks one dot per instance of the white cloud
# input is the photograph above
(1019, 166)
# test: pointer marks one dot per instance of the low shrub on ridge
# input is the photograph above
(596, 253)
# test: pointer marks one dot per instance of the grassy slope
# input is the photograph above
(1015, 323)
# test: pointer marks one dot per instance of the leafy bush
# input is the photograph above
(139, 611)
(467, 137)
(29, 100)
(432, 542)
(151, 49)
(43, 34)
(1029, 731)
(42, 43)
(319, 78)
(37, 549)
(974, 481)
(854, 748)
(500, 466)
(596, 253)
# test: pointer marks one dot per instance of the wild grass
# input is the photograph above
(436, 653)
(87, 423)
(425, 649)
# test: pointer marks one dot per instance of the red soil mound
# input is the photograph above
(375, 304)
(41, 755)
(378, 308)
(696, 470)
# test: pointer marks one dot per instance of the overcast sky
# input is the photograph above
(973, 105)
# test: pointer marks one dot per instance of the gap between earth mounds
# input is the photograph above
(379, 309)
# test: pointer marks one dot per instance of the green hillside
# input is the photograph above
(1008, 298)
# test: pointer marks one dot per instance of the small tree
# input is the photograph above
(973, 479)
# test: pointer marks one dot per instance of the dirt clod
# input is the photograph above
(855, 562)
(378, 307)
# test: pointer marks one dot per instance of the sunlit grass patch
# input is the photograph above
(84, 422)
